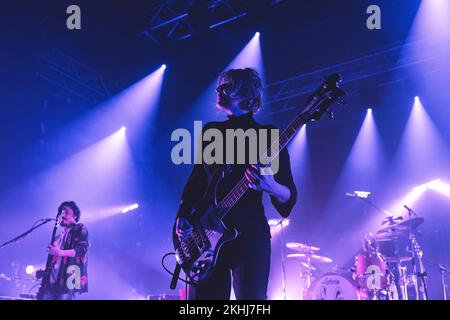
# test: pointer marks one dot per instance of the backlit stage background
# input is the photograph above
(87, 115)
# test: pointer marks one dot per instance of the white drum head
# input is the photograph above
(332, 286)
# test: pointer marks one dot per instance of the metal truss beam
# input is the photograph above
(181, 19)
(74, 77)
(282, 94)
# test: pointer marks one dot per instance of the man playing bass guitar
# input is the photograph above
(245, 260)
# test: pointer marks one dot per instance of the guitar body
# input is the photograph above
(44, 284)
(197, 254)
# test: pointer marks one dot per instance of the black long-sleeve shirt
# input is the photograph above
(248, 214)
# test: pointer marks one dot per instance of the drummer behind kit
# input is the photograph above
(389, 267)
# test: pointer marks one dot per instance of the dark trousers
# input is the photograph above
(245, 264)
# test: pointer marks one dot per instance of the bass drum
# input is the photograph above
(333, 286)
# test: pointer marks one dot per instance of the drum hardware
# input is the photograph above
(308, 266)
(301, 247)
(373, 276)
(403, 281)
(281, 223)
(419, 268)
(410, 224)
(398, 259)
(417, 253)
(307, 255)
(5, 277)
(444, 285)
(398, 231)
(402, 229)
(399, 235)
(390, 233)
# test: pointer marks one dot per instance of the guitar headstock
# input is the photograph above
(324, 97)
(58, 219)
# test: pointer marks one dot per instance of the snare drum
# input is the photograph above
(333, 286)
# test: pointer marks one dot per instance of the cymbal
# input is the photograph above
(399, 229)
(398, 259)
(315, 257)
(411, 223)
(390, 233)
(301, 247)
(4, 277)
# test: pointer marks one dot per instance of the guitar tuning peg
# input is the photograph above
(330, 115)
(342, 101)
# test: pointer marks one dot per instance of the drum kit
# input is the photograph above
(388, 267)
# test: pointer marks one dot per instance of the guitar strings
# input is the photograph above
(224, 204)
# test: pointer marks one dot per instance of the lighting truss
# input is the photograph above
(282, 94)
(74, 77)
(181, 19)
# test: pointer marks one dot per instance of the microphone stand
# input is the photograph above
(23, 235)
(444, 286)
(372, 204)
(443, 271)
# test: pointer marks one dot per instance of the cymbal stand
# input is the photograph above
(422, 275)
(402, 281)
(306, 274)
(283, 259)
(419, 270)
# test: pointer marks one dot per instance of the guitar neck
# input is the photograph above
(241, 187)
(317, 104)
(48, 264)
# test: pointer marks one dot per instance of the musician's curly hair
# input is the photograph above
(72, 205)
(245, 85)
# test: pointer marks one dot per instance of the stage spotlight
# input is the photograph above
(130, 208)
(274, 222)
(417, 192)
(362, 194)
(278, 222)
(123, 129)
(440, 187)
(428, 185)
(29, 269)
(163, 67)
(416, 98)
(369, 110)
(257, 34)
